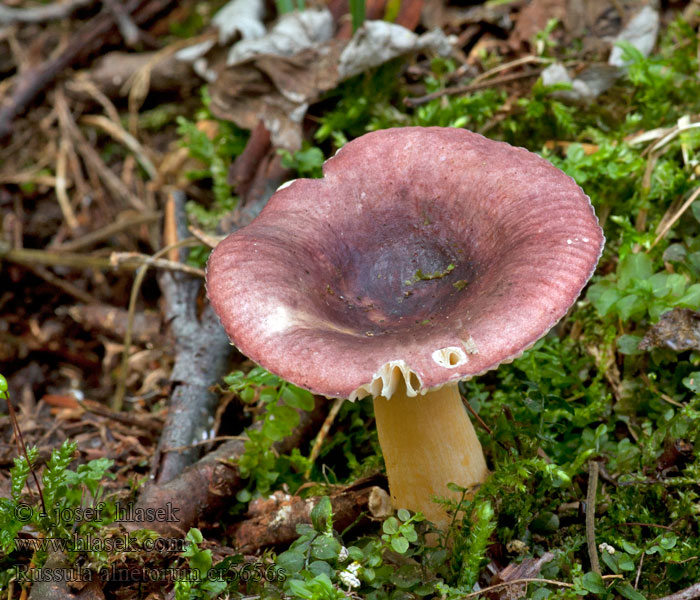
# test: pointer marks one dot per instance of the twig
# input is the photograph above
(474, 414)
(638, 524)
(66, 286)
(108, 231)
(115, 185)
(61, 193)
(151, 424)
(122, 136)
(208, 240)
(86, 40)
(127, 27)
(536, 580)
(664, 230)
(639, 570)
(40, 14)
(273, 521)
(202, 352)
(48, 258)
(147, 261)
(22, 447)
(322, 433)
(509, 65)
(593, 469)
(690, 593)
(465, 89)
(117, 258)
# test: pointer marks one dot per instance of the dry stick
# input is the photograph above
(86, 40)
(664, 230)
(152, 261)
(115, 185)
(85, 85)
(127, 27)
(118, 399)
(536, 580)
(593, 468)
(61, 185)
(121, 135)
(31, 258)
(509, 65)
(108, 231)
(40, 14)
(322, 433)
(691, 593)
(208, 240)
(639, 570)
(22, 447)
(465, 89)
(474, 414)
(66, 286)
(202, 355)
(148, 424)
(48, 258)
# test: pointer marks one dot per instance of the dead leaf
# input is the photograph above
(641, 32)
(278, 89)
(533, 19)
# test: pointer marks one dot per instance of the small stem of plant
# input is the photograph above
(357, 10)
(22, 448)
(322, 434)
(118, 399)
(593, 469)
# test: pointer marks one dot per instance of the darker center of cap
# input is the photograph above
(396, 277)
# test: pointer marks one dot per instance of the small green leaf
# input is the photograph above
(627, 591)
(692, 382)
(399, 544)
(629, 344)
(297, 398)
(634, 267)
(403, 514)
(322, 515)
(325, 547)
(593, 582)
(390, 526)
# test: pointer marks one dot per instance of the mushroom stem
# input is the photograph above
(428, 441)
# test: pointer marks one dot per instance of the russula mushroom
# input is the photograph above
(423, 257)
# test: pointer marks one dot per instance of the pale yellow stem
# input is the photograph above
(428, 441)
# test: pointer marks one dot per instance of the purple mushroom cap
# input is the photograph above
(432, 251)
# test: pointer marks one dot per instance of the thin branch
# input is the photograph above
(593, 469)
(147, 261)
(475, 414)
(690, 593)
(117, 258)
(40, 14)
(667, 226)
(498, 586)
(323, 433)
(472, 87)
(108, 231)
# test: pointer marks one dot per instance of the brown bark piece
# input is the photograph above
(204, 489)
(273, 521)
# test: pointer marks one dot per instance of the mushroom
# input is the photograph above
(423, 257)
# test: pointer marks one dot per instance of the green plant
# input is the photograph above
(279, 402)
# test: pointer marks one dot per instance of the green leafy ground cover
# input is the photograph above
(584, 393)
